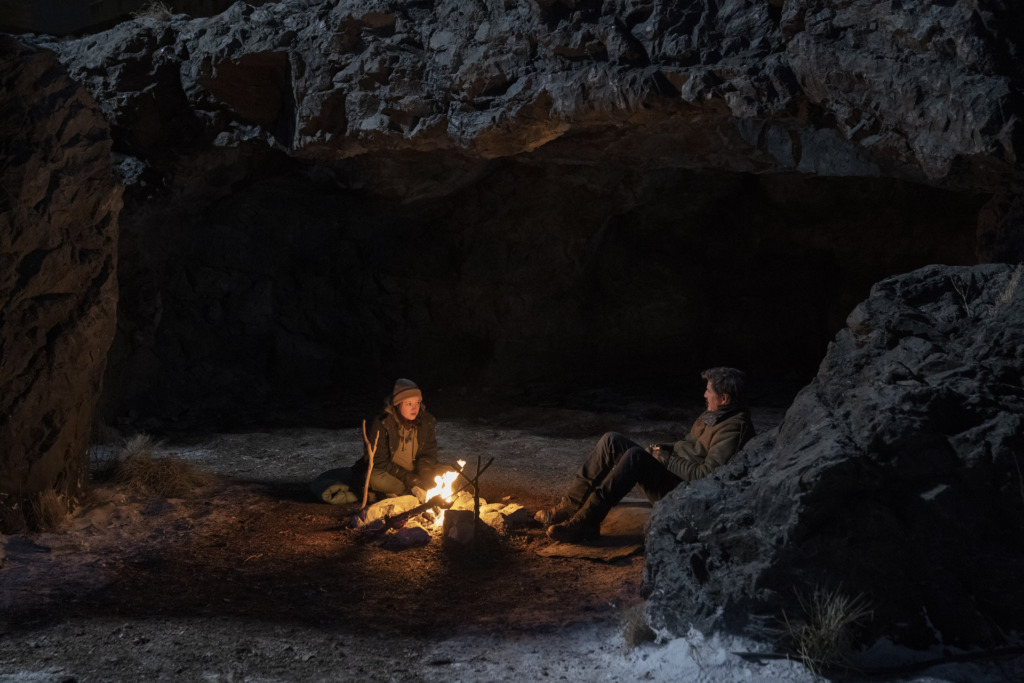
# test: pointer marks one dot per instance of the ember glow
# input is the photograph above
(444, 486)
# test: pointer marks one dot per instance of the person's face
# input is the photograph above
(715, 400)
(410, 408)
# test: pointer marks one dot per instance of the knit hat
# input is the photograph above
(404, 390)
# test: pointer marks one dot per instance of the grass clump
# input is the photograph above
(138, 468)
(1008, 292)
(635, 629)
(49, 510)
(160, 11)
(823, 638)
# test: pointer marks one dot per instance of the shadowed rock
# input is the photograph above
(59, 203)
(895, 474)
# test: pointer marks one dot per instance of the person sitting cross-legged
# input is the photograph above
(405, 442)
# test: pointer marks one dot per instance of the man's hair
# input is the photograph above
(728, 381)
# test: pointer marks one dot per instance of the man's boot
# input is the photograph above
(585, 525)
(567, 507)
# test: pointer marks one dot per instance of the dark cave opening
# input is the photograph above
(296, 286)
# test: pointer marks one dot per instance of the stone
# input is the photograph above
(59, 206)
(466, 501)
(895, 475)
(381, 510)
(459, 527)
(505, 518)
(411, 535)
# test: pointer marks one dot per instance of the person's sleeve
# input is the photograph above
(382, 455)
(689, 459)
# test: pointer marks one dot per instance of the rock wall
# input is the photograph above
(288, 290)
(586, 189)
(919, 90)
(896, 475)
(59, 203)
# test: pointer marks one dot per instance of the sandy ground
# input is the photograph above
(254, 579)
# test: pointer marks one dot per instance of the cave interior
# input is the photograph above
(266, 288)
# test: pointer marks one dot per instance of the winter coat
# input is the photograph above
(714, 438)
(386, 425)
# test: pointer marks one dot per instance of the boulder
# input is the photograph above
(59, 206)
(895, 476)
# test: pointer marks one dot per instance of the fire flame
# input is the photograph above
(445, 488)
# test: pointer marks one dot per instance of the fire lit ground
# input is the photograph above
(251, 579)
(257, 550)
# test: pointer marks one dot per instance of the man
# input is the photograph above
(617, 464)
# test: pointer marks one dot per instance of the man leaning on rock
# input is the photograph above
(617, 464)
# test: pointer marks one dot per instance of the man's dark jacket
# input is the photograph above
(713, 439)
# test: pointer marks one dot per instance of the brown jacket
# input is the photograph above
(713, 439)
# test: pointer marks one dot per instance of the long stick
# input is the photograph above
(476, 498)
(371, 450)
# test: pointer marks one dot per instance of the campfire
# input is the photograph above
(412, 520)
(445, 490)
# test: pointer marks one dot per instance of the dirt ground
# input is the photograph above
(254, 579)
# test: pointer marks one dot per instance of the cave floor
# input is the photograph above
(252, 578)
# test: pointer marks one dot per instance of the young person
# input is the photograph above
(406, 444)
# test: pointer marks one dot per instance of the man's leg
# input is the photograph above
(632, 466)
(602, 460)
(655, 480)
(595, 468)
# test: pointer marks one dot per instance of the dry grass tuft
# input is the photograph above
(140, 445)
(635, 628)
(160, 11)
(167, 477)
(1006, 296)
(49, 510)
(824, 639)
(138, 468)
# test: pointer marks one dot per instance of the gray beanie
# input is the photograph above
(404, 390)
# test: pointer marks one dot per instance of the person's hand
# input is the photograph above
(411, 480)
(658, 453)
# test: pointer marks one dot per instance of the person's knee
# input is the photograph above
(636, 457)
(637, 453)
(610, 439)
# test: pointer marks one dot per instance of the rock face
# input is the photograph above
(915, 89)
(323, 196)
(59, 203)
(896, 474)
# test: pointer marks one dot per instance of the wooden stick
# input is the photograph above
(371, 450)
(476, 498)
